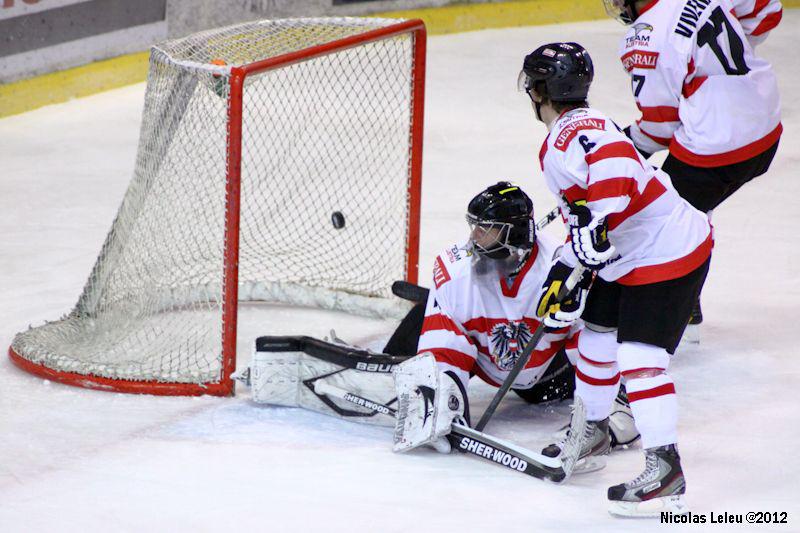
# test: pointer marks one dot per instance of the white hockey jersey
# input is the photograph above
(479, 323)
(701, 90)
(757, 17)
(658, 235)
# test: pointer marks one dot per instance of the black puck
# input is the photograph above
(337, 219)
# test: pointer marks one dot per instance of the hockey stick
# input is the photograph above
(467, 440)
(548, 218)
(415, 293)
(523, 359)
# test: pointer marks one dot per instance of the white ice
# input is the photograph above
(79, 460)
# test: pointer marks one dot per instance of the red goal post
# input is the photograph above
(327, 124)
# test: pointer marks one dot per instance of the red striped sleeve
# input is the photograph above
(769, 22)
(663, 141)
(652, 191)
(660, 113)
(574, 194)
(757, 8)
(612, 188)
(691, 87)
(611, 150)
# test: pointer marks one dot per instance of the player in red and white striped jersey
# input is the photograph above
(651, 251)
(702, 92)
(481, 310)
(480, 315)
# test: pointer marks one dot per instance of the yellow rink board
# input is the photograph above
(25, 95)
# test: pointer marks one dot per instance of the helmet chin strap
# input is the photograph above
(538, 107)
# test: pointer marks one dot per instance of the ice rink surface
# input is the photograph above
(80, 460)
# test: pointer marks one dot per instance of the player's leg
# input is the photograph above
(650, 327)
(738, 174)
(596, 373)
(405, 338)
(707, 188)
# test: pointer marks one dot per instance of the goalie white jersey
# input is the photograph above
(701, 89)
(478, 322)
(587, 158)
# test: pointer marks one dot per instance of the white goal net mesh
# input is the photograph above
(322, 138)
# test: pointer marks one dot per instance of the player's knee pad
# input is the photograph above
(597, 348)
(637, 359)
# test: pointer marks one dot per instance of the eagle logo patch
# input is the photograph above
(508, 340)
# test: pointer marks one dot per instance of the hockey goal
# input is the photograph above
(278, 161)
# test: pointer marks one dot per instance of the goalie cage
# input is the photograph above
(257, 142)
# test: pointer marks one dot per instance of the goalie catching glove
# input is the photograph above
(429, 402)
(561, 315)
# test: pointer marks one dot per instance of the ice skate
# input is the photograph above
(595, 447)
(660, 488)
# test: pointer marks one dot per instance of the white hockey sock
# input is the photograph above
(652, 396)
(596, 374)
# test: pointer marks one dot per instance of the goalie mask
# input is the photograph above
(501, 221)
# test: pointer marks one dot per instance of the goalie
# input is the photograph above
(478, 317)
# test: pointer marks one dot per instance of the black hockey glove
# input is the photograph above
(589, 237)
(555, 315)
(627, 132)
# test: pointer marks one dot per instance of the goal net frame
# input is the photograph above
(235, 76)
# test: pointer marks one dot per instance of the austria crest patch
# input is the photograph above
(508, 340)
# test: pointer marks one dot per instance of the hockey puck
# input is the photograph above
(337, 219)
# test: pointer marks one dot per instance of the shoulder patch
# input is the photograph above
(440, 274)
(639, 35)
(569, 131)
(454, 253)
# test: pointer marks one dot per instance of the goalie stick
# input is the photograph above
(473, 442)
(340, 354)
(415, 293)
(523, 359)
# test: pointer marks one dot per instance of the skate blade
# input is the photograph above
(674, 504)
(589, 464)
(691, 335)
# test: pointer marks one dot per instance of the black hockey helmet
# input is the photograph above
(564, 70)
(503, 214)
(623, 10)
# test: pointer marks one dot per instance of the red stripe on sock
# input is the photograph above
(662, 390)
(597, 381)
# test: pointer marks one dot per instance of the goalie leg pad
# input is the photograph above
(334, 387)
(429, 401)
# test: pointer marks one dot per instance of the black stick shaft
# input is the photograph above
(570, 284)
